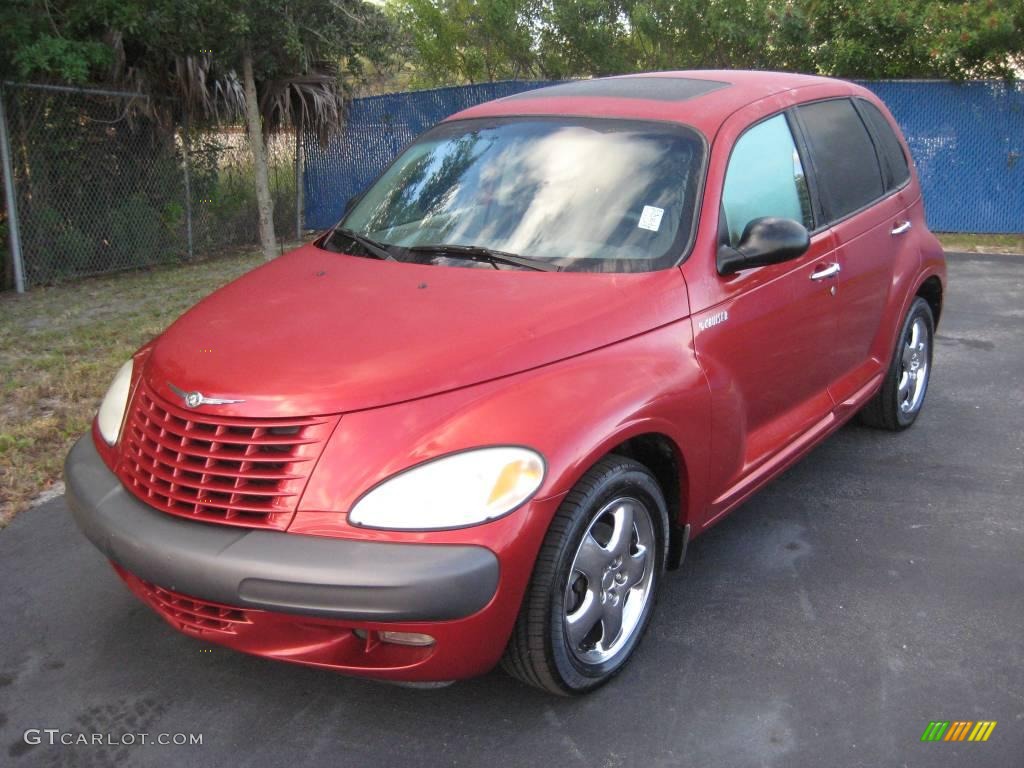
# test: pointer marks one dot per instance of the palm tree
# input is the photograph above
(270, 63)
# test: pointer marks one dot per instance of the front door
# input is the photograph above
(765, 336)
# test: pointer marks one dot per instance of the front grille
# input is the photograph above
(234, 471)
(191, 613)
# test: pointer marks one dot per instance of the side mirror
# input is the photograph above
(767, 240)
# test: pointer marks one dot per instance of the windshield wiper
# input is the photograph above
(479, 253)
(375, 249)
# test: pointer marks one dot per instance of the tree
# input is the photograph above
(469, 41)
(917, 38)
(271, 62)
(56, 40)
(845, 38)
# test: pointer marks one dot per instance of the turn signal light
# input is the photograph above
(417, 639)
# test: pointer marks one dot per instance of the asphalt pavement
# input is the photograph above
(875, 587)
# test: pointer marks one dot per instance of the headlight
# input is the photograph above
(453, 491)
(114, 404)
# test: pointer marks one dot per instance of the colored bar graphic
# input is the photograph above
(982, 730)
(958, 730)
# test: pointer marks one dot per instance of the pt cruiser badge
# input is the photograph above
(711, 322)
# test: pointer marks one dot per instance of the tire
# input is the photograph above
(894, 407)
(550, 647)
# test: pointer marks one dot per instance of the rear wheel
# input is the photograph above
(898, 402)
(593, 587)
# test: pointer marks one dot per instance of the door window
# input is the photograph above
(844, 157)
(765, 178)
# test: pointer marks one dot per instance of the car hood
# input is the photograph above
(316, 332)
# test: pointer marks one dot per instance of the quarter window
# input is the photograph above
(765, 178)
(894, 163)
(844, 156)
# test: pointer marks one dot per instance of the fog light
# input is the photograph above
(406, 638)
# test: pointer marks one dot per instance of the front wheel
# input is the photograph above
(899, 401)
(593, 587)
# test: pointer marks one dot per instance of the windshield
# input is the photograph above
(582, 194)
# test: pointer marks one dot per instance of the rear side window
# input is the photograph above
(765, 178)
(894, 162)
(844, 156)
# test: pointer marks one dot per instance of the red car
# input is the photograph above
(561, 335)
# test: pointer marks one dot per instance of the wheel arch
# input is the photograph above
(662, 454)
(663, 457)
(931, 291)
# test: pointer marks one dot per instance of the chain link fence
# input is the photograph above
(99, 187)
(221, 178)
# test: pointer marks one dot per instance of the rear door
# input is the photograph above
(861, 175)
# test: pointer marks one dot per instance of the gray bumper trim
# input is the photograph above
(293, 573)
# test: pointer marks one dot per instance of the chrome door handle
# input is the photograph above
(899, 229)
(830, 271)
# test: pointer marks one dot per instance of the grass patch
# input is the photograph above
(59, 349)
(982, 243)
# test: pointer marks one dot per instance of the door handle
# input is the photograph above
(902, 227)
(830, 271)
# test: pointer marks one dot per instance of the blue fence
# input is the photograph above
(967, 141)
(968, 144)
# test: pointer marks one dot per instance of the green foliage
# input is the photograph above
(137, 233)
(476, 41)
(59, 245)
(189, 48)
(34, 44)
(592, 36)
(972, 38)
(172, 215)
(223, 191)
(470, 40)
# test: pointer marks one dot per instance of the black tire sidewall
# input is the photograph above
(632, 480)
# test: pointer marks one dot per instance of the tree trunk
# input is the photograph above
(259, 159)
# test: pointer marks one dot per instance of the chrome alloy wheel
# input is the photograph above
(913, 380)
(610, 581)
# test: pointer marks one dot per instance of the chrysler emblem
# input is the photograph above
(195, 399)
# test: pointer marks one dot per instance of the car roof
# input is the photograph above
(700, 98)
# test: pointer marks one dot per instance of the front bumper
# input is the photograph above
(292, 585)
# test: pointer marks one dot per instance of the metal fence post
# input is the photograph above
(12, 200)
(185, 138)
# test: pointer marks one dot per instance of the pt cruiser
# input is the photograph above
(561, 335)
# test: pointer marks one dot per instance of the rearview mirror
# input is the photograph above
(767, 240)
